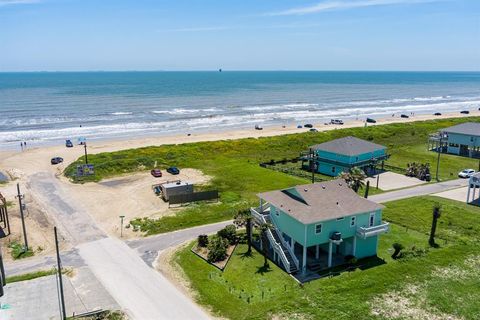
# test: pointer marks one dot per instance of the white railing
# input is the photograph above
(290, 249)
(366, 232)
(277, 248)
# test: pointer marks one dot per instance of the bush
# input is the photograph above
(229, 233)
(350, 259)
(203, 240)
(217, 249)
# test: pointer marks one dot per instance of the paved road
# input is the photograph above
(148, 247)
(142, 292)
(72, 219)
(419, 190)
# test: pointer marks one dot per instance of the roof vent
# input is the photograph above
(340, 184)
(305, 190)
(337, 203)
(323, 187)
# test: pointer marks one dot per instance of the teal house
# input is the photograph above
(462, 139)
(319, 226)
(334, 157)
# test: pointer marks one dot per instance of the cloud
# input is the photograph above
(12, 2)
(339, 5)
(194, 29)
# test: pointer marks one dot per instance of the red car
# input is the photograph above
(156, 173)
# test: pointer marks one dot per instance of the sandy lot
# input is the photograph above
(391, 181)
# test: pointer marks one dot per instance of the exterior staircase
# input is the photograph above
(280, 247)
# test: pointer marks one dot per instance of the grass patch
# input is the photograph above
(37, 274)
(246, 291)
(17, 250)
(234, 165)
(104, 315)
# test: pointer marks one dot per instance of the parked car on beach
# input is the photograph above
(370, 120)
(68, 143)
(465, 112)
(437, 114)
(404, 116)
(336, 121)
(313, 130)
(308, 125)
(56, 160)
(467, 173)
(156, 173)
(173, 170)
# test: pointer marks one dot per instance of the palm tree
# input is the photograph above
(435, 217)
(355, 178)
(264, 227)
(243, 218)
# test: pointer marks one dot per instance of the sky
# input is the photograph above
(86, 35)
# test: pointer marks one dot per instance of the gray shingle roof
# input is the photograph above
(320, 202)
(349, 146)
(468, 128)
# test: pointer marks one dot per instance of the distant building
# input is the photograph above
(473, 193)
(316, 226)
(334, 157)
(462, 139)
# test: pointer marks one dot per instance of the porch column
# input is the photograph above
(292, 244)
(330, 254)
(304, 262)
(468, 194)
(317, 251)
(354, 252)
(474, 189)
(261, 206)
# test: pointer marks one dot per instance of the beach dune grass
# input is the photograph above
(234, 164)
(360, 294)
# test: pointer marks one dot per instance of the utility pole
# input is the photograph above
(312, 165)
(2, 274)
(59, 267)
(367, 188)
(438, 158)
(20, 203)
(121, 226)
(86, 157)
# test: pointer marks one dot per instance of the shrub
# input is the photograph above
(203, 240)
(217, 249)
(229, 233)
(350, 259)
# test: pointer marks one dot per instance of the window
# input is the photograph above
(318, 228)
(333, 169)
(340, 219)
(353, 221)
(371, 222)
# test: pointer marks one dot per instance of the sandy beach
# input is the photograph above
(129, 195)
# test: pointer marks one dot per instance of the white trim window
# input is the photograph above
(371, 220)
(318, 228)
(353, 221)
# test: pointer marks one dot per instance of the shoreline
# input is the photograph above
(114, 144)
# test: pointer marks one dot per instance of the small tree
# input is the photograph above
(355, 178)
(217, 249)
(243, 218)
(397, 247)
(229, 233)
(435, 216)
(264, 227)
(203, 240)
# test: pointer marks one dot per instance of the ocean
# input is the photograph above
(49, 107)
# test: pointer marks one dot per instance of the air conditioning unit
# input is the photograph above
(336, 236)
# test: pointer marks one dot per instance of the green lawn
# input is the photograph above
(234, 165)
(443, 282)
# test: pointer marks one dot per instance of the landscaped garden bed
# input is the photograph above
(217, 249)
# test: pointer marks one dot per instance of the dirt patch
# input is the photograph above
(131, 196)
